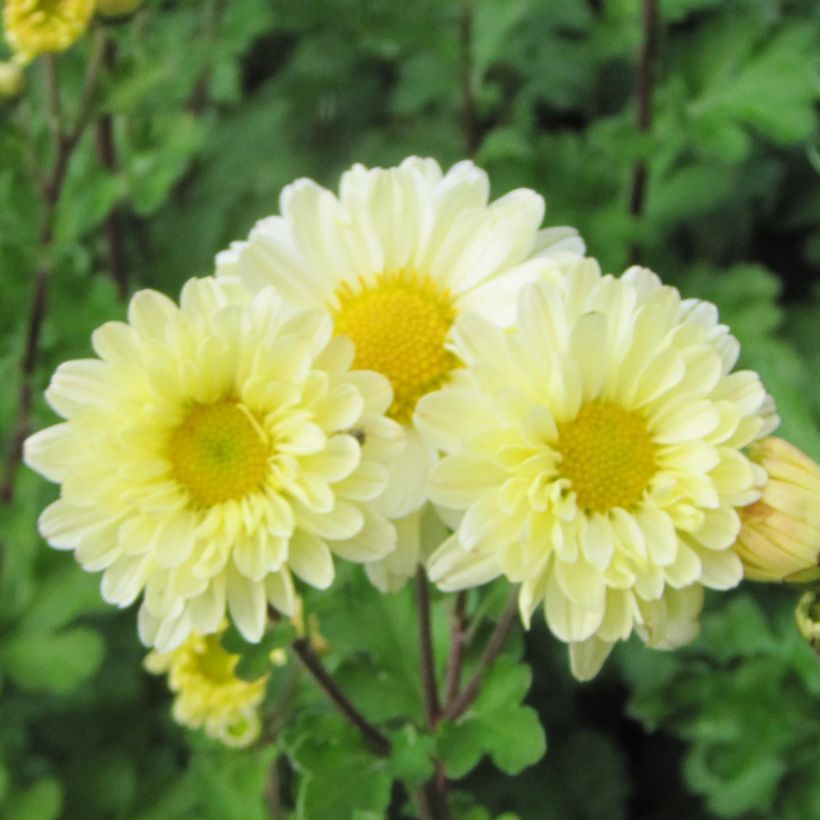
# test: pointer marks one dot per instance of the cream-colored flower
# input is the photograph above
(396, 257)
(37, 26)
(209, 694)
(780, 539)
(596, 451)
(212, 450)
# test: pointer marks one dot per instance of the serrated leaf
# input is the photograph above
(496, 724)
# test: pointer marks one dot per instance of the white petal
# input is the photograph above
(587, 657)
(247, 605)
(310, 559)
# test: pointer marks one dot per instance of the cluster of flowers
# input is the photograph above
(406, 372)
(34, 27)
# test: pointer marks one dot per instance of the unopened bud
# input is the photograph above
(807, 616)
(780, 537)
(11, 79)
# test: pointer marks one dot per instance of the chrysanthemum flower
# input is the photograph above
(209, 694)
(595, 450)
(212, 450)
(37, 26)
(396, 257)
(780, 538)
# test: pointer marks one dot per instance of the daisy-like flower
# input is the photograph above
(37, 26)
(780, 538)
(213, 449)
(596, 451)
(209, 695)
(396, 257)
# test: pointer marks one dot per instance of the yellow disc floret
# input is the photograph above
(219, 453)
(399, 323)
(37, 26)
(608, 456)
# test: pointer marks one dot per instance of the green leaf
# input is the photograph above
(496, 724)
(57, 662)
(42, 801)
(339, 775)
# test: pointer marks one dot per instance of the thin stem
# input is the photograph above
(379, 742)
(468, 107)
(458, 643)
(107, 156)
(64, 145)
(645, 92)
(428, 668)
(494, 646)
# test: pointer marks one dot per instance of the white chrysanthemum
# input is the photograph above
(396, 257)
(596, 449)
(212, 450)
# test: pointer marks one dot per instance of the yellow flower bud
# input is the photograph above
(117, 8)
(209, 695)
(780, 537)
(11, 79)
(37, 26)
(807, 616)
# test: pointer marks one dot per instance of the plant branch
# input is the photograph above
(645, 92)
(469, 118)
(64, 145)
(494, 646)
(428, 667)
(107, 156)
(458, 643)
(378, 742)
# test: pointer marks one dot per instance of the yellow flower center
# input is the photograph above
(608, 456)
(399, 324)
(212, 662)
(219, 453)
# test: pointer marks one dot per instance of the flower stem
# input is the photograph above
(378, 741)
(645, 90)
(428, 669)
(64, 144)
(470, 692)
(458, 627)
(468, 108)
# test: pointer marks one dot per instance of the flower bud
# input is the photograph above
(11, 79)
(780, 536)
(807, 616)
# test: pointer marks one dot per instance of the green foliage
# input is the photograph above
(215, 106)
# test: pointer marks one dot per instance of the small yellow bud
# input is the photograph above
(37, 26)
(780, 536)
(11, 79)
(117, 8)
(807, 616)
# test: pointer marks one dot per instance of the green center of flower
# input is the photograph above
(219, 453)
(608, 456)
(399, 324)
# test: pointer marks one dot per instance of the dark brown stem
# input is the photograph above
(428, 665)
(645, 89)
(378, 742)
(468, 107)
(458, 643)
(494, 646)
(107, 156)
(64, 145)
(198, 100)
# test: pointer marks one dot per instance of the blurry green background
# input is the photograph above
(215, 107)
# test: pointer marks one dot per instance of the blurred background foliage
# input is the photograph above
(214, 107)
